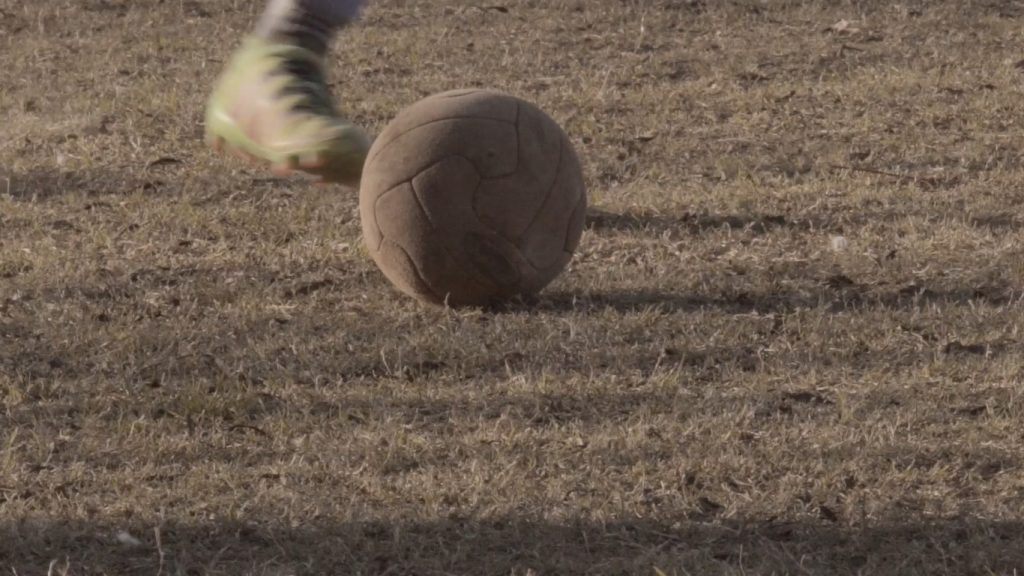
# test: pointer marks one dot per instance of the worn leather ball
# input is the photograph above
(472, 197)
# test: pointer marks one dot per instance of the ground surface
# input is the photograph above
(790, 342)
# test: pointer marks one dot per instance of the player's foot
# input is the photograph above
(271, 104)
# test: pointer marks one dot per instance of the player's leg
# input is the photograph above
(271, 102)
(307, 23)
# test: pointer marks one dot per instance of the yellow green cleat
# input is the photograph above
(271, 104)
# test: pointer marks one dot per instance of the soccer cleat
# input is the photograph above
(271, 105)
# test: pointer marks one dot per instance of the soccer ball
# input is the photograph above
(471, 197)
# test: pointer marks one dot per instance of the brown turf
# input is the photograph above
(789, 342)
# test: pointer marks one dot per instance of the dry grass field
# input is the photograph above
(792, 341)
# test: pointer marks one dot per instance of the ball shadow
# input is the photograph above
(686, 223)
(835, 292)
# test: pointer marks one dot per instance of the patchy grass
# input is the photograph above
(790, 342)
